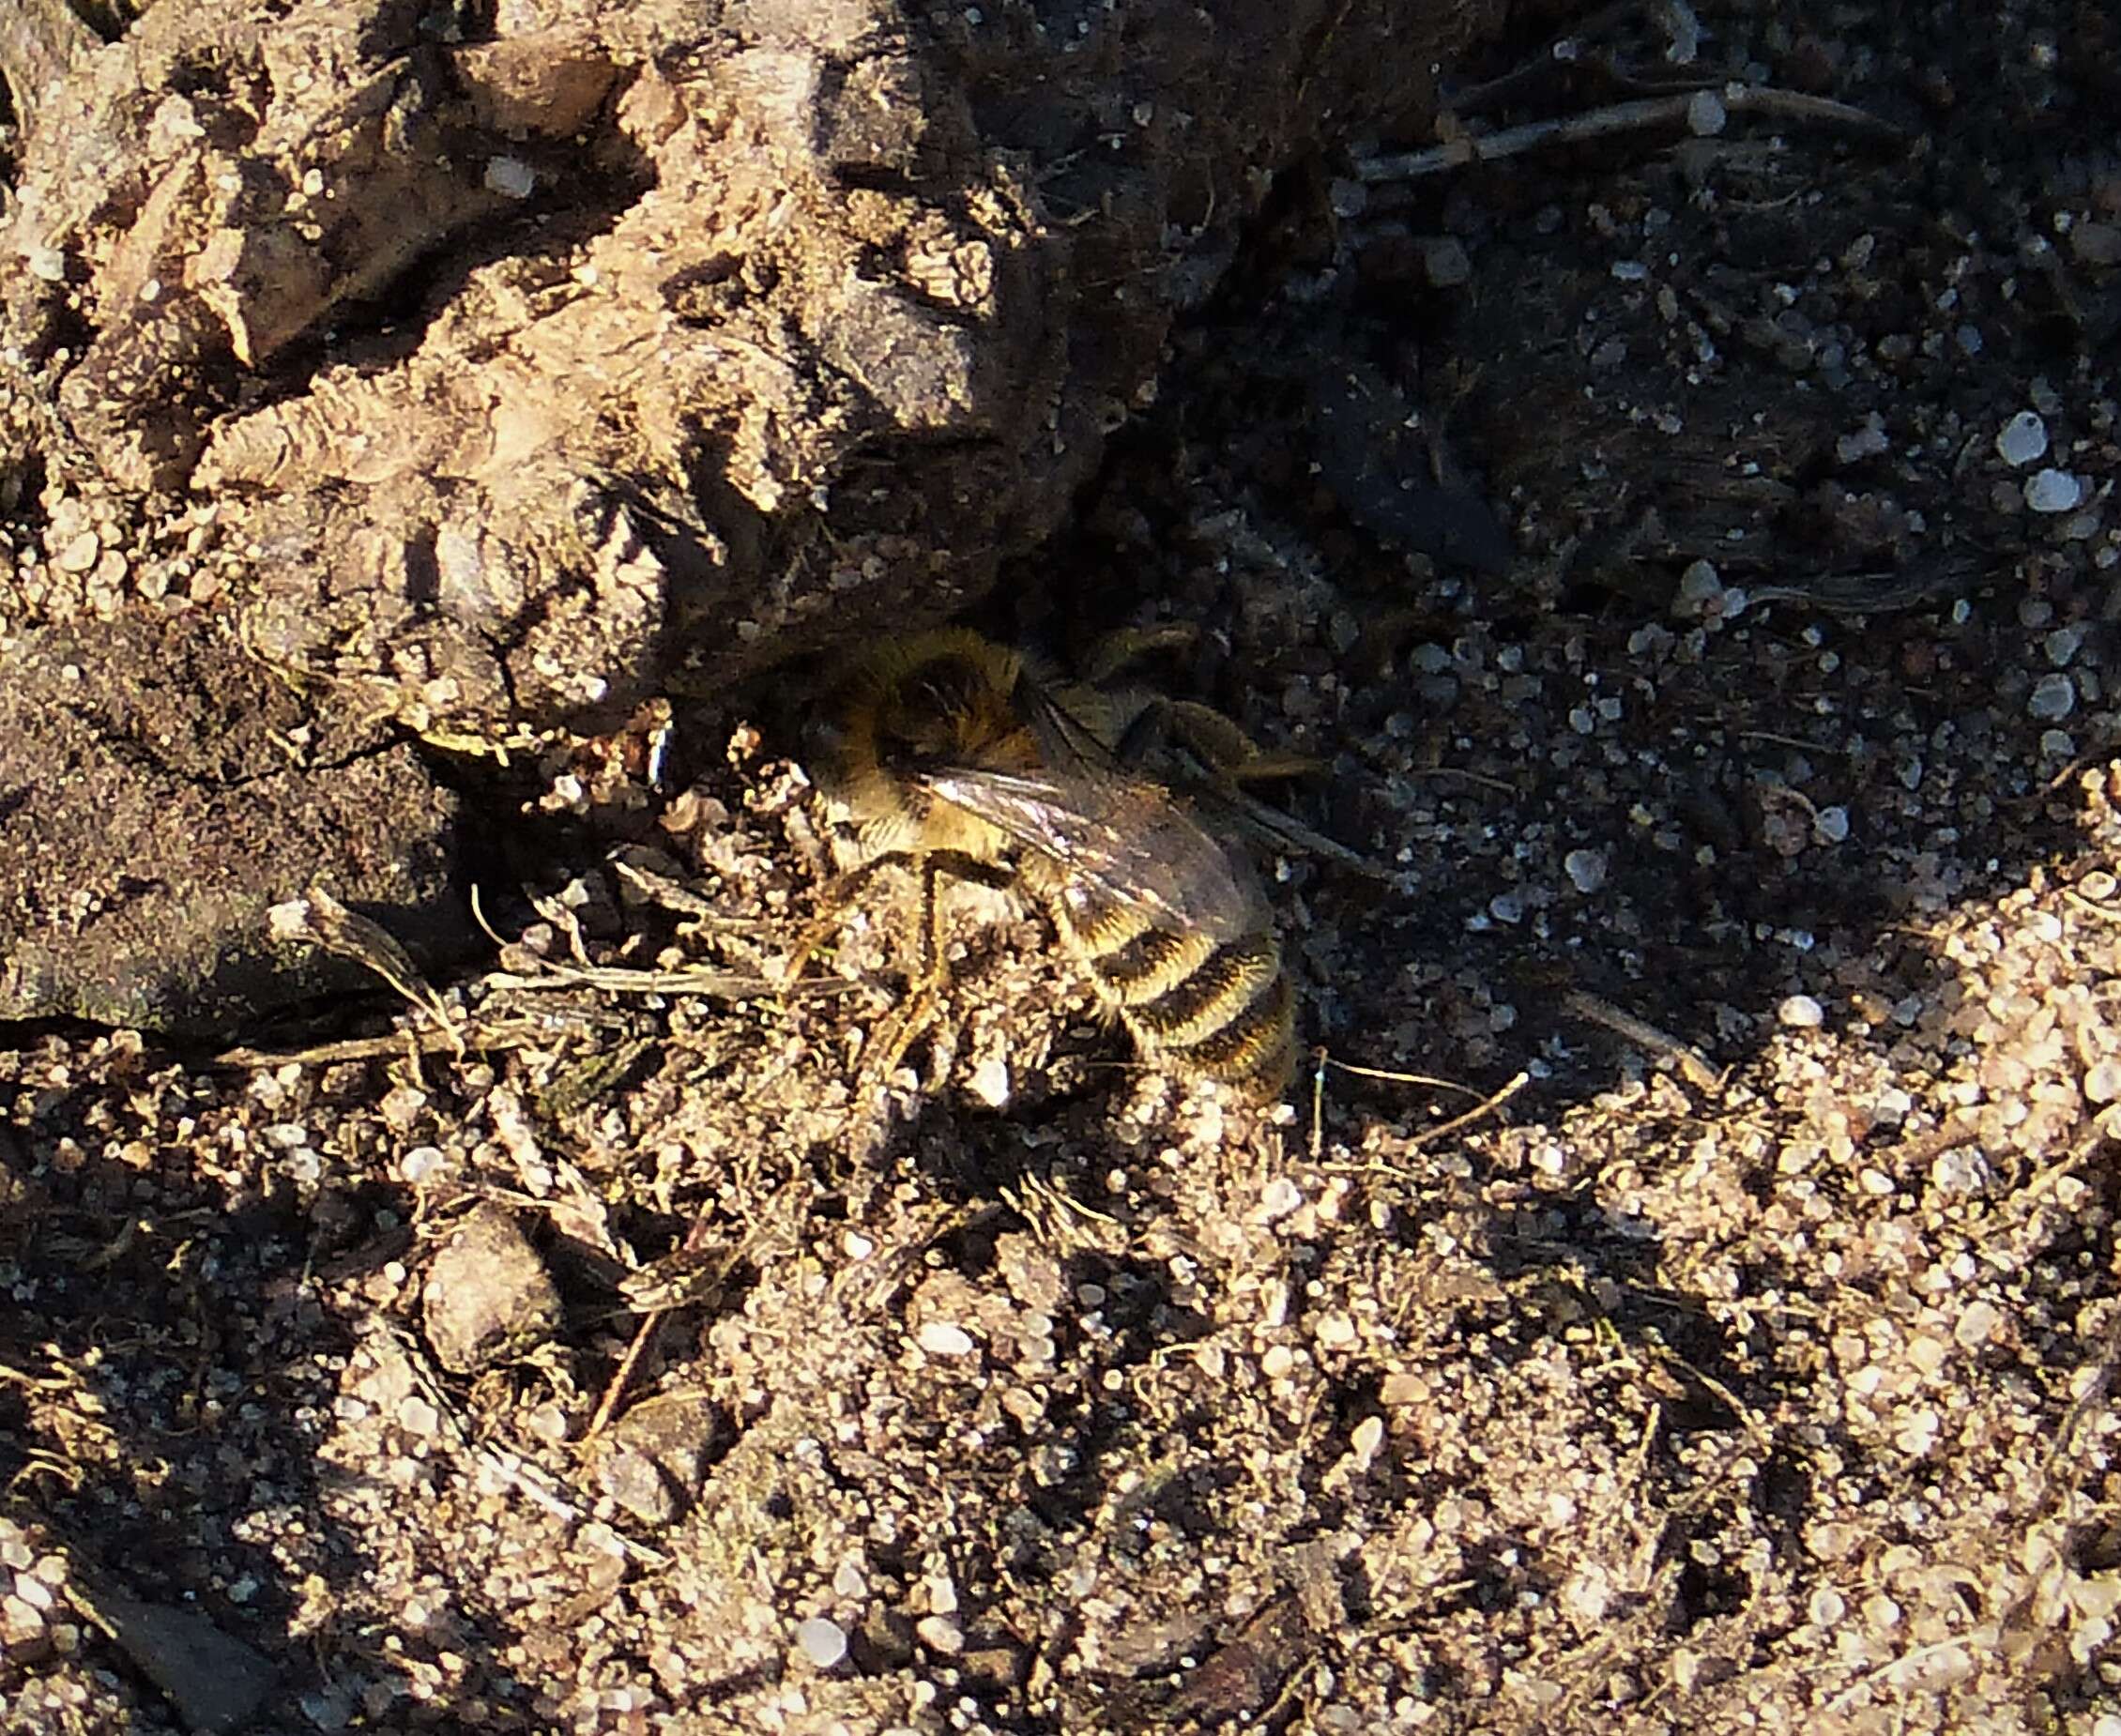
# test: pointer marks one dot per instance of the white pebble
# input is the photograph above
(1706, 116)
(941, 1634)
(1978, 1325)
(823, 1642)
(46, 264)
(1801, 1012)
(2054, 696)
(1831, 825)
(511, 177)
(2062, 646)
(1701, 592)
(989, 1082)
(1869, 441)
(1586, 869)
(2053, 491)
(942, 1338)
(2102, 1083)
(1279, 1199)
(2023, 438)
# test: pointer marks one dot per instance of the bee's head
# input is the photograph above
(947, 711)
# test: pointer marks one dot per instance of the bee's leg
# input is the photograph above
(1123, 646)
(918, 1011)
(1210, 738)
(835, 899)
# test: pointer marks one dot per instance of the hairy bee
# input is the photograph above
(943, 746)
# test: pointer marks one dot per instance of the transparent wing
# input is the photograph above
(1068, 740)
(1118, 841)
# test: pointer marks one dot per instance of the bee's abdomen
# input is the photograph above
(1207, 1009)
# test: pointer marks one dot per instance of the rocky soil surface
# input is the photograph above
(1680, 1293)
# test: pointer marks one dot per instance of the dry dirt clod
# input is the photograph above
(488, 1295)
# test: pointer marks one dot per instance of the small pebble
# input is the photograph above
(1586, 869)
(1279, 1199)
(1701, 592)
(941, 1634)
(2053, 491)
(942, 1338)
(989, 1082)
(2097, 244)
(511, 177)
(79, 552)
(823, 1642)
(1801, 1012)
(2023, 438)
(1445, 262)
(2102, 1081)
(1978, 1325)
(2054, 696)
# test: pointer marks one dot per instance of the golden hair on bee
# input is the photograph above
(918, 703)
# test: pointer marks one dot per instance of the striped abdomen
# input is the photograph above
(1197, 1006)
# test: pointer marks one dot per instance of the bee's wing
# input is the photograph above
(1117, 841)
(1066, 740)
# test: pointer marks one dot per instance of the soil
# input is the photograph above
(1681, 1294)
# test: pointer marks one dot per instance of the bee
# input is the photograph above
(950, 753)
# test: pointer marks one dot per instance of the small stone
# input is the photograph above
(79, 552)
(1700, 594)
(1335, 1330)
(511, 178)
(989, 1082)
(1586, 870)
(633, 1480)
(2053, 698)
(944, 1338)
(2097, 244)
(1978, 1325)
(1801, 1012)
(1869, 441)
(1831, 825)
(2062, 646)
(488, 1294)
(2102, 1080)
(941, 1634)
(2023, 438)
(822, 1642)
(1279, 1199)
(2053, 491)
(1706, 116)
(23, 1636)
(1368, 1436)
(1445, 262)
